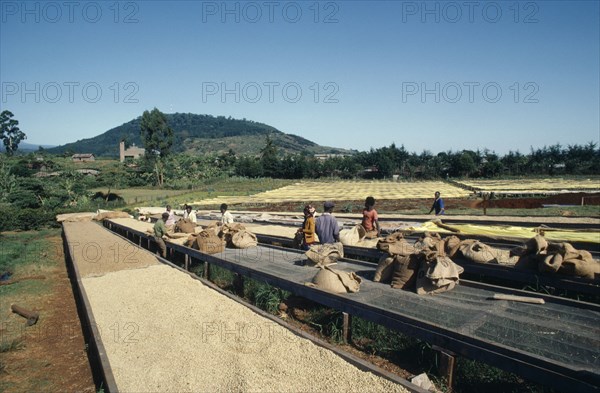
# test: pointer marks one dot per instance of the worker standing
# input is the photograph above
(370, 221)
(438, 205)
(160, 230)
(327, 227)
(308, 228)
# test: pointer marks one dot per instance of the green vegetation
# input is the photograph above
(36, 187)
(10, 133)
(196, 133)
(158, 140)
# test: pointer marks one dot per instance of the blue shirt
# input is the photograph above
(327, 228)
(438, 205)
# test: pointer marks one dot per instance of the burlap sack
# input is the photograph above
(536, 245)
(336, 281)
(213, 227)
(577, 262)
(563, 258)
(429, 242)
(395, 244)
(324, 254)
(108, 215)
(384, 244)
(586, 268)
(372, 234)
(244, 239)
(190, 240)
(209, 243)
(185, 225)
(476, 251)
(482, 253)
(350, 237)
(550, 263)
(527, 262)
(231, 228)
(451, 245)
(405, 271)
(385, 269)
(437, 275)
(361, 231)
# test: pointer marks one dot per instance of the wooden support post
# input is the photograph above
(238, 284)
(186, 262)
(446, 367)
(207, 271)
(346, 327)
(31, 316)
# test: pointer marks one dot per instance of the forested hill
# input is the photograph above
(198, 134)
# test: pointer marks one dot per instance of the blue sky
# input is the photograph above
(430, 75)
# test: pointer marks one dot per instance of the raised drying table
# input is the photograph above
(556, 344)
(156, 328)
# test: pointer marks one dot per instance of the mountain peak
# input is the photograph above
(199, 134)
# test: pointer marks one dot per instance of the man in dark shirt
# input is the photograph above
(327, 227)
(160, 230)
(438, 205)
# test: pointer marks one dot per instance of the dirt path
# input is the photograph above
(53, 355)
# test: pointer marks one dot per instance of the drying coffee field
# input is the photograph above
(345, 191)
(534, 185)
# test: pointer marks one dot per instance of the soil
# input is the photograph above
(53, 356)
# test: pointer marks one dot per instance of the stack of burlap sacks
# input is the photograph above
(214, 238)
(323, 257)
(560, 258)
(427, 265)
(424, 267)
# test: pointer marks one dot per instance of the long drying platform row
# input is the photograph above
(557, 343)
(156, 328)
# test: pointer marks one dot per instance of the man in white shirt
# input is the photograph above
(226, 217)
(191, 215)
(171, 220)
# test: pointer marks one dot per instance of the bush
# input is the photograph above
(13, 218)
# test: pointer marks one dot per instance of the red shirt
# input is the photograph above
(369, 218)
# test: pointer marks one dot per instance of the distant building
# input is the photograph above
(132, 153)
(86, 157)
(330, 155)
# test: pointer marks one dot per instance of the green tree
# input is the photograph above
(158, 140)
(8, 181)
(156, 133)
(10, 133)
(269, 159)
